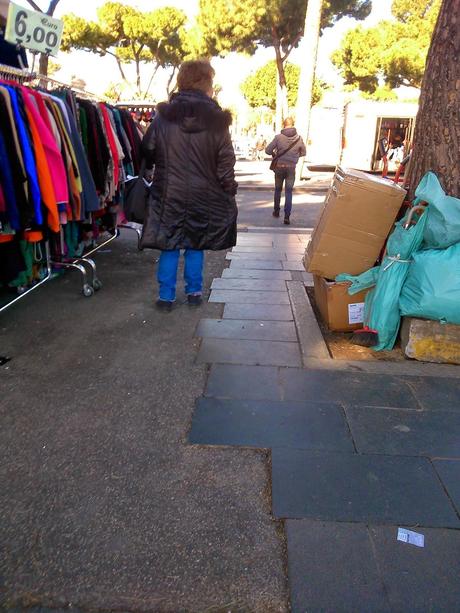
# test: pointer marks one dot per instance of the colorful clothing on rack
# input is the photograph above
(63, 160)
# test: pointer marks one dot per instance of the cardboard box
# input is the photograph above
(340, 311)
(358, 215)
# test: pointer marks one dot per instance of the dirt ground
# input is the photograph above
(341, 348)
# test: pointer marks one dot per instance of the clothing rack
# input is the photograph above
(60, 85)
(80, 263)
(16, 74)
(84, 264)
(48, 276)
(23, 76)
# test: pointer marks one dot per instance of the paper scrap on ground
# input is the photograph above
(413, 538)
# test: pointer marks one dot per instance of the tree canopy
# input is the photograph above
(242, 25)
(259, 88)
(130, 36)
(393, 51)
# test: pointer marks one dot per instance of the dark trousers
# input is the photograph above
(284, 175)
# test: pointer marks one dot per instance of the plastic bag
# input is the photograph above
(432, 287)
(137, 191)
(442, 227)
(360, 282)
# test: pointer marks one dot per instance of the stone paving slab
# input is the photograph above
(231, 381)
(419, 579)
(247, 251)
(257, 264)
(293, 242)
(437, 393)
(251, 249)
(262, 424)
(332, 569)
(341, 487)
(252, 241)
(348, 388)
(324, 386)
(449, 472)
(274, 256)
(263, 312)
(252, 297)
(242, 273)
(265, 353)
(250, 284)
(350, 568)
(247, 329)
(293, 265)
(307, 278)
(402, 432)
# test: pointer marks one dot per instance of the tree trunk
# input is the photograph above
(169, 90)
(44, 59)
(309, 48)
(155, 70)
(282, 109)
(437, 130)
(278, 108)
(43, 64)
(138, 76)
(120, 68)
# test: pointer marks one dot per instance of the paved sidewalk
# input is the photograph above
(354, 455)
(103, 504)
(257, 176)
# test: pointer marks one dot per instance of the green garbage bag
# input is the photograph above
(360, 282)
(382, 304)
(432, 287)
(442, 227)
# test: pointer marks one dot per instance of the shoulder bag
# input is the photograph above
(279, 155)
(136, 193)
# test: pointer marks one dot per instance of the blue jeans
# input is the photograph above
(286, 174)
(167, 272)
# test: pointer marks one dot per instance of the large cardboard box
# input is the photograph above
(358, 215)
(340, 311)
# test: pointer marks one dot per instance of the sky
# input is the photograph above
(99, 73)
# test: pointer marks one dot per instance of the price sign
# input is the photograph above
(33, 30)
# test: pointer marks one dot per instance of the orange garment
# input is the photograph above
(44, 176)
(33, 236)
(6, 238)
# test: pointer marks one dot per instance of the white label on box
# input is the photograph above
(356, 313)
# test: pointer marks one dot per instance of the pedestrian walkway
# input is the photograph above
(354, 455)
(255, 175)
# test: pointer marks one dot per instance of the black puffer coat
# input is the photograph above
(192, 205)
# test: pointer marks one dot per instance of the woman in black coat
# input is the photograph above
(192, 204)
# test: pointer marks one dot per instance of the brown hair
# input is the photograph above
(288, 122)
(4, 4)
(196, 74)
